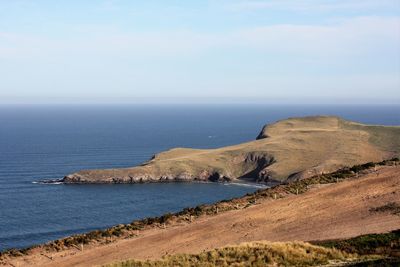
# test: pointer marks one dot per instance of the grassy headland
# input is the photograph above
(289, 149)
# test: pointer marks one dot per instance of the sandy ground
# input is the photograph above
(325, 212)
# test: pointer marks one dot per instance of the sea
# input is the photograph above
(44, 142)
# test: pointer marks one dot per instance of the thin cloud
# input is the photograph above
(363, 35)
(350, 36)
(314, 5)
(109, 5)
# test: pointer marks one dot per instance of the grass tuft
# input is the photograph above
(251, 254)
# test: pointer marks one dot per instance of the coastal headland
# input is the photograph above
(290, 149)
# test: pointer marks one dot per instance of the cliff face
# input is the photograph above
(238, 165)
(290, 149)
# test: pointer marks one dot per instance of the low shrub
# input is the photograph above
(391, 207)
(383, 244)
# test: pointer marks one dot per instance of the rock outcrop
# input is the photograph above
(295, 148)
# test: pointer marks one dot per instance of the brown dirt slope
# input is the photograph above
(292, 148)
(332, 211)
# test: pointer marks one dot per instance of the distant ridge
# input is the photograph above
(294, 148)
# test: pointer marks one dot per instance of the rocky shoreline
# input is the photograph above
(260, 162)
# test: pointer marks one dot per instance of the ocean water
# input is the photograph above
(48, 142)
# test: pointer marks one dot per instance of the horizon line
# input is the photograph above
(197, 101)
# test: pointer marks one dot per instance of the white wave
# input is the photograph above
(50, 181)
(248, 185)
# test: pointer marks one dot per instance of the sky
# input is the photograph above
(278, 51)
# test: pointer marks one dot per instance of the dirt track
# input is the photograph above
(325, 212)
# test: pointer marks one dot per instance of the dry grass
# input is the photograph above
(387, 138)
(333, 253)
(252, 254)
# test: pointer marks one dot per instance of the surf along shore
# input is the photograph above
(352, 201)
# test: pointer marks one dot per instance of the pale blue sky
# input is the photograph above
(269, 51)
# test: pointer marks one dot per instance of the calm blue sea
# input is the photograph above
(47, 142)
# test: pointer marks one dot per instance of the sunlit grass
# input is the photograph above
(252, 254)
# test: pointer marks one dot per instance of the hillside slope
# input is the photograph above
(288, 149)
(352, 207)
